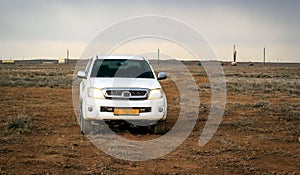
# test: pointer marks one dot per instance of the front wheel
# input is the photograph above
(160, 127)
(85, 125)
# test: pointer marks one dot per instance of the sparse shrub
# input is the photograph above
(294, 91)
(291, 116)
(21, 123)
(52, 74)
(261, 104)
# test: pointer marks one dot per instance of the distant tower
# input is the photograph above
(264, 56)
(158, 56)
(234, 56)
(67, 60)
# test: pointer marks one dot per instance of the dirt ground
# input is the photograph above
(259, 133)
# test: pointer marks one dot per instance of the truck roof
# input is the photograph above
(120, 56)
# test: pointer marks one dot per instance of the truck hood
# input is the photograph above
(124, 83)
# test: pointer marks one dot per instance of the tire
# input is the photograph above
(98, 128)
(85, 125)
(160, 127)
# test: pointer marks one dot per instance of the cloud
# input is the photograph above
(249, 24)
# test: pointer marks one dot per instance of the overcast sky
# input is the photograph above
(40, 28)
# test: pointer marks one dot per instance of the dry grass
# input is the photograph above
(258, 134)
(263, 79)
(36, 75)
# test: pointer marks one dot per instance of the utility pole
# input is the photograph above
(264, 56)
(158, 56)
(234, 54)
(67, 60)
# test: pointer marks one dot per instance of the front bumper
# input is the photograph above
(92, 109)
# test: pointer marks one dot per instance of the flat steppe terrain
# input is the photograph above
(259, 133)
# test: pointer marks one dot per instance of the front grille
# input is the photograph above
(128, 94)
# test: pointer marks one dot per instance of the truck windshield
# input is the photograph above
(121, 68)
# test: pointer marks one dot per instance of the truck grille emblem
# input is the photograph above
(126, 94)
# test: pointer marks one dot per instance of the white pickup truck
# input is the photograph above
(121, 88)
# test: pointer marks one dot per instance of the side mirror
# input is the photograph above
(81, 74)
(161, 75)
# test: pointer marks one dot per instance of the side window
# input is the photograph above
(88, 66)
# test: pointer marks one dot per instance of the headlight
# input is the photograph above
(155, 94)
(95, 93)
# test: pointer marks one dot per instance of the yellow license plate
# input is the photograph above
(118, 111)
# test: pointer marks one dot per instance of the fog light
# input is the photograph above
(90, 108)
(161, 109)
